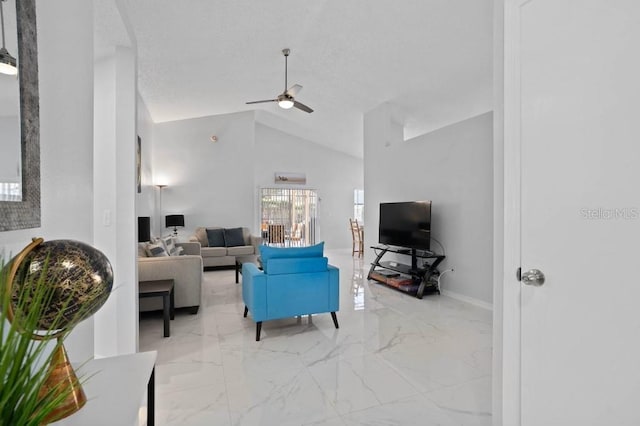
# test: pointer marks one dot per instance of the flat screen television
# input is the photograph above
(406, 224)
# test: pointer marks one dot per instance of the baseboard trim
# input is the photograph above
(467, 299)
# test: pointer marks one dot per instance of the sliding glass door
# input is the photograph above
(288, 216)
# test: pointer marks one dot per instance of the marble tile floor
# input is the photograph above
(396, 360)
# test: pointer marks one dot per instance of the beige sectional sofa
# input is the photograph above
(223, 255)
(186, 272)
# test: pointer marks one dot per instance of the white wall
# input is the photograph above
(67, 163)
(116, 323)
(452, 167)
(65, 55)
(333, 174)
(210, 183)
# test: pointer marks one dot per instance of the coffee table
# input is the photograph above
(244, 259)
(162, 288)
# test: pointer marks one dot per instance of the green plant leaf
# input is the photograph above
(25, 361)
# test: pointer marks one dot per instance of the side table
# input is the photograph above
(162, 288)
(115, 388)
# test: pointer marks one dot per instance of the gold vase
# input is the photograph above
(62, 380)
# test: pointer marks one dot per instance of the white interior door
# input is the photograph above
(573, 87)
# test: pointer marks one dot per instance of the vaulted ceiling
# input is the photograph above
(430, 59)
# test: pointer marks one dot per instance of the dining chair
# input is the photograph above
(356, 237)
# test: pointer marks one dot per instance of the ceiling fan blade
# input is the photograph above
(294, 90)
(302, 106)
(262, 102)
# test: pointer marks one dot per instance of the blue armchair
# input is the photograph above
(294, 281)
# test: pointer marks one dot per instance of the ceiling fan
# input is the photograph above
(286, 99)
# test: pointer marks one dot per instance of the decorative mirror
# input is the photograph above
(20, 199)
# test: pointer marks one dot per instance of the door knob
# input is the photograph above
(533, 277)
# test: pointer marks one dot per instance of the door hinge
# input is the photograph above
(519, 274)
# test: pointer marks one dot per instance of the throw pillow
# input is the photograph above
(215, 237)
(170, 246)
(168, 243)
(156, 249)
(142, 250)
(201, 236)
(234, 237)
(177, 251)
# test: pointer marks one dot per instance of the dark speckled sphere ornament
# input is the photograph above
(81, 275)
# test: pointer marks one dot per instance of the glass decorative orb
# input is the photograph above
(80, 274)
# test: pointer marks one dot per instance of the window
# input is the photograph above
(358, 205)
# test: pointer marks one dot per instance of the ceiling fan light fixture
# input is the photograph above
(285, 103)
(7, 63)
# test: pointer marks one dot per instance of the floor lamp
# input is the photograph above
(160, 187)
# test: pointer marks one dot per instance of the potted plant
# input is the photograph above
(44, 292)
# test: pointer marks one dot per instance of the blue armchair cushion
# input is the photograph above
(267, 252)
(296, 265)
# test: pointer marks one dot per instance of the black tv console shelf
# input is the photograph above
(408, 278)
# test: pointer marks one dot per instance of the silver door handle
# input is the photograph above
(533, 277)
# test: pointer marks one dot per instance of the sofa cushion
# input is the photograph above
(240, 250)
(215, 237)
(297, 265)
(156, 249)
(142, 250)
(213, 251)
(234, 237)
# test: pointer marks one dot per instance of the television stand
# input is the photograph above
(411, 278)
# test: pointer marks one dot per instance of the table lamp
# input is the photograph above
(174, 220)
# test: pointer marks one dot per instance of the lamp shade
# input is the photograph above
(174, 220)
(144, 229)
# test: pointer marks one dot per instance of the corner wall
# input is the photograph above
(452, 167)
(116, 323)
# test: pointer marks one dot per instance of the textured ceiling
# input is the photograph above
(431, 59)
